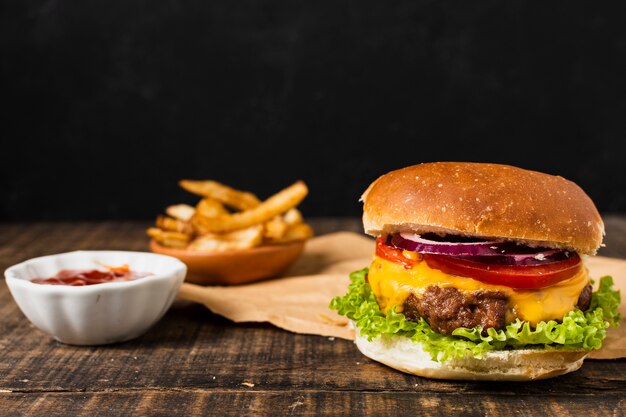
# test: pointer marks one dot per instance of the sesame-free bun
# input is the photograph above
(482, 200)
(405, 355)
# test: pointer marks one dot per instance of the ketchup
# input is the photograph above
(80, 277)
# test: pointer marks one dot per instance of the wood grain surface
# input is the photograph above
(193, 362)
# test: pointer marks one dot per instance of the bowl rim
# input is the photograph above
(13, 278)
(231, 252)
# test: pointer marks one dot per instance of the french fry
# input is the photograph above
(173, 225)
(239, 200)
(207, 207)
(275, 228)
(239, 239)
(273, 206)
(293, 216)
(180, 211)
(168, 238)
(198, 228)
(211, 226)
(301, 231)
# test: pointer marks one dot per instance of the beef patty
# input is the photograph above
(446, 309)
(584, 299)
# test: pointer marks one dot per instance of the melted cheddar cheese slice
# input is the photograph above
(392, 284)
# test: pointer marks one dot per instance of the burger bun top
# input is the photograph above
(489, 201)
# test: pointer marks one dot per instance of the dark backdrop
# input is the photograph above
(108, 103)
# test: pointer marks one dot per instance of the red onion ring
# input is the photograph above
(494, 252)
(418, 243)
(541, 258)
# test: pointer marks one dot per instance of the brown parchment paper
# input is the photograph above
(298, 301)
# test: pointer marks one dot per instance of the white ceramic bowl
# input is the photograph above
(101, 313)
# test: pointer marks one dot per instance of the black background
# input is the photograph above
(108, 104)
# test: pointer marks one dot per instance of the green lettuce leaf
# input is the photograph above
(608, 300)
(577, 329)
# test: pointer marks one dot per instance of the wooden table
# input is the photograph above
(196, 363)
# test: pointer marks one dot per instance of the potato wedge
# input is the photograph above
(293, 216)
(239, 200)
(180, 211)
(168, 238)
(208, 207)
(198, 228)
(300, 231)
(173, 225)
(275, 228)
(229, 219)
(239, 239)
(275, 205)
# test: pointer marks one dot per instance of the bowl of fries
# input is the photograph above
(230, 236)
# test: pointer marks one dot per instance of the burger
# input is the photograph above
(479, 274)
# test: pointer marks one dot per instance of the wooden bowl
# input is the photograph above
(234, 266)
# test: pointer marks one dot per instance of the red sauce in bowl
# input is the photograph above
(81, 277)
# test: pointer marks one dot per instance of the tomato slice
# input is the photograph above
(393, 254)
(514, 276)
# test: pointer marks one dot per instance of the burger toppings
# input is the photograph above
(534, 292)
(446, 309)
(515, 276)
(573, 330)
(432, 243)
(514, 266)
(406, 258)
(584, 299)
(497, 252)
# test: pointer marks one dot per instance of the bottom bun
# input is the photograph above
(511, 365)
